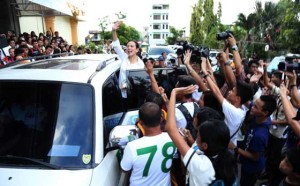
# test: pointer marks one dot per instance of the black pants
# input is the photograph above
(248, 179)
(274, 158)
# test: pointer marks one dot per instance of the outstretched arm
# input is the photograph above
(267, 82)
(295, 94)
(149, 70)
(114, 30)
(193, 73)
(214, 88)
(289, 110)
(236, 55)
(227, 69)
(178, 140)
(116, 43)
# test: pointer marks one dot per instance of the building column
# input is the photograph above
(49, 23)
(74, 24)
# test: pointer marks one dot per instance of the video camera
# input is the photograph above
(289, 67)
(289, 64)
(223, 35)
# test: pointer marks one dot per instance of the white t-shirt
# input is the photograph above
(150, 159)
(233, 118)
(126, 65)
(180, 119)
(200, 169)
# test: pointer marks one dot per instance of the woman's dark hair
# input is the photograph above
(70, 48)
(136, 44)
(244, 91)
(155, 98)
(206, 113)
(211, 101)
(217, 136)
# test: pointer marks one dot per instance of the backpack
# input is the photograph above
(189, 118)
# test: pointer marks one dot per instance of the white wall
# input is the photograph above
(63, 26)
(83, 31)
(28, 24)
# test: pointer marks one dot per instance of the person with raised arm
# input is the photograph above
(130, 59)
(216, 163)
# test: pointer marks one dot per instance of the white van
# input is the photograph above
(56, 118)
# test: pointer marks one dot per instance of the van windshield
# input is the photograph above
(50, 122)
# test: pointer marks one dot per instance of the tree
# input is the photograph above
(219, 13)
(205, 24)
(247, 24)
(196, 36)
(290, 25)
(127, 33)
(175, 35)
(209, 19)
(104, 22)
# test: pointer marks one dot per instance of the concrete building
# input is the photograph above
(159, 24)
(41, 15)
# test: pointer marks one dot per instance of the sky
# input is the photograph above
(138, 11)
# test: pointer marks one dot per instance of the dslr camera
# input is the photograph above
(223, 35)
(199, 51)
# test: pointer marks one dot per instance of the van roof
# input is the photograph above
(77, 68)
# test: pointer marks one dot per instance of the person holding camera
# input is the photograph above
(130, 59)
(231, 77)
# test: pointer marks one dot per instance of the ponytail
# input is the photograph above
(225, 167)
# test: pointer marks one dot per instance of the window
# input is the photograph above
(112, 105)
(156, 17)
(49, 121)
(156, 36)
(163, 17)
(167, 17)
(156, 7)
(163, 26)
(156, 27)
(167, 26)
(111, 96)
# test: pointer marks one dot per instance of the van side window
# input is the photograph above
(112, 105)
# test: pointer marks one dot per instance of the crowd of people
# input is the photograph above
(242, 115)
(28, 47)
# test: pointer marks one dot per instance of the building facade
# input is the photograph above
(159, 24)
(41, 16)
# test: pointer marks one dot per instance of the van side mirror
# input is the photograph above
(121, 135)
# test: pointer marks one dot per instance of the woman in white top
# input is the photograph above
(130, 59)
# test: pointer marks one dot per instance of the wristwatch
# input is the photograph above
(235, 47)
(227, 63)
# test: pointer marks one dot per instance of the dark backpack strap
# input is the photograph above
(189, 118)
(236, 130)
(188, 162)
(185, 112)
